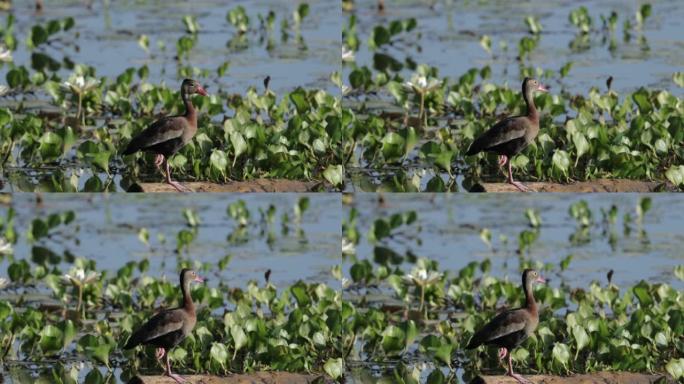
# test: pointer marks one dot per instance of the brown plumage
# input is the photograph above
(168, 328)
(510, 136)
(509, 329)
(169, 134)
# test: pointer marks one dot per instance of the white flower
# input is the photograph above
(80, 84)
(77, 276)
(345, 89)
(4, 89)
(345, 282)
(420, 83)
(420, 276)
(5, 54)
(5, 247)
(347, 54)
(3, 282)
(348, 247)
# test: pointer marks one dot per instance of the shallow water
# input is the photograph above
(451, 224)
(106, 230)
(106, 35)
(450, 34)
(448, 231)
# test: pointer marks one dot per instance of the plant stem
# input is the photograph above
(422, 108)
(422, 298)
(80, 301)
(78, 113)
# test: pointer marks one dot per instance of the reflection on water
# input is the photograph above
(107, 229)
(451, 30)
(108, 33)
(451, 229)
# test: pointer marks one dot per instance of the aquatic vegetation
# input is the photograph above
(63, 306)
(593, 327)
(242, 135)
(598, 133)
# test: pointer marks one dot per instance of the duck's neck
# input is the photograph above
(530, 303)
(189, 108)
(529, 101)
(188, 305)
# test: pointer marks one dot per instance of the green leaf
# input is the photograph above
(239, 337)
(334, 368)
(38, 35)
(561, 353)
(581, 144)
(239, 144)
(51, 340)
(581, 338)
(379, 37)
(334, 175)
(561, 161)
(219, 161)
(675, 367)
(218, 353)
(676, 175)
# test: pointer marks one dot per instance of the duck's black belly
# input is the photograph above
(168, 340)
(510, 148)
(167, 148)
(511, 340)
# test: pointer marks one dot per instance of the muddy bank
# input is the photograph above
(599, 185)
(597, 378)
(254, 378)
(258, 185)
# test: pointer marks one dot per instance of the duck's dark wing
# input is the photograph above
(504, 324)
(165, 129)
(506, 130)
(161, 324)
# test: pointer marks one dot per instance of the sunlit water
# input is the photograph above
(106, 35)
(450, 34)
(106, 230)
(449, 226)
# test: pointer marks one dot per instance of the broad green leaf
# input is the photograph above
(334, 368)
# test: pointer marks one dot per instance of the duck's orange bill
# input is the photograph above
(202, 92)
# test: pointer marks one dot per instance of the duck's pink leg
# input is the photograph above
(172, 375)
(158, 161)
(502, 160)
(160, 353)
(502, 353)
(179, 187)
(520, 186)
(517, 377)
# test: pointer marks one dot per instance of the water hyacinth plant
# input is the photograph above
(261, 129)
(588, 131)
(594, 326)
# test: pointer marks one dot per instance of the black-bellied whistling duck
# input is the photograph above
(510, 328)
(169, 134)
(168, 328)
(510, 136)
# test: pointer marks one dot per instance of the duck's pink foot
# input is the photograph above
(179, 187)
(502, 353)
(179, 379)
(521, 187)
(159, 354)
(520, 379)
